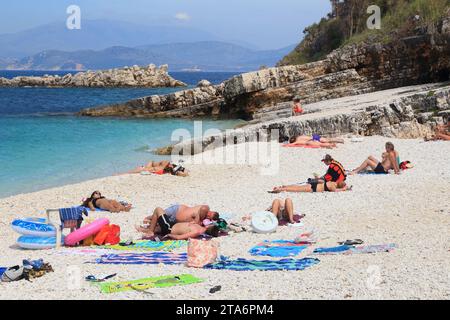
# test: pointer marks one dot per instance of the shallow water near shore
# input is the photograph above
(43, 144)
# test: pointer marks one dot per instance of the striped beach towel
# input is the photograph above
(143, 258)
(241, 264)
(147, 283)
(277, 248)
(147, 245)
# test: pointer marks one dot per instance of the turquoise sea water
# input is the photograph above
(43, 144)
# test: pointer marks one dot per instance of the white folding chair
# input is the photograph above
(57, 226)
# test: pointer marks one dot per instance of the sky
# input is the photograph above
(267, 24)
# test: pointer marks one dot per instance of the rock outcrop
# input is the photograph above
(409, 112)
(149, 76)
(204, 100)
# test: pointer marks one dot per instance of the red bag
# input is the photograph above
(109, 234)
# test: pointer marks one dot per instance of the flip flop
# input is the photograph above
(351, 242)
(215, 289)
(92, 278)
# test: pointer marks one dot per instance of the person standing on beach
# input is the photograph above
(163, 220)
(390, 160)
(297, 107)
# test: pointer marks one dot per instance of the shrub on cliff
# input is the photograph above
(347, 25)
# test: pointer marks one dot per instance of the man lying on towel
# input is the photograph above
(162, 221)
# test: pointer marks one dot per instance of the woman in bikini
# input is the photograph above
(161, 167)
(314, 186)
(390, 160)
(97, 201)
(315, 141)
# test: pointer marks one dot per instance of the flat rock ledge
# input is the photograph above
(407, 112)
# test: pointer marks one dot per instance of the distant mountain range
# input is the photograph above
(204, 56)
(103, 44)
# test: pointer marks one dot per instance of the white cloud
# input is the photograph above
(183, 16)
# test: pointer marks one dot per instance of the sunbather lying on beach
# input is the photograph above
(441, 132)
(391, 160)
(314, 186)
(315, 141)
(162, 220)
(188, 230)
(161, 167)
(97, 201)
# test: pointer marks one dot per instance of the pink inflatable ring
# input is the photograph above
(85, 232)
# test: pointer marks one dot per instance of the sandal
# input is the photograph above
(351, 242)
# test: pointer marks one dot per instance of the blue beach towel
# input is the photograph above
(333, 250)
(262, 265)
(143, 258)
(277, 248)
(2, 271)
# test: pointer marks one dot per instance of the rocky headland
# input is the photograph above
(149, 76)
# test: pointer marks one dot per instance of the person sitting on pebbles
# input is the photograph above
(442, 132)
(391, 160)
(162, 221)
(97, 201)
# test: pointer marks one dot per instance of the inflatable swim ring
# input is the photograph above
(37, 243)
(34, 227)
(264, 222)
(85, 232)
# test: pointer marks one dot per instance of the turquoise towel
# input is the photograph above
(277, 248)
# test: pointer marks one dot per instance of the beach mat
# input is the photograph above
(147, 283)
(148, 245)
(241, 264)
(143, 258)
(345, 249)
(277, 248)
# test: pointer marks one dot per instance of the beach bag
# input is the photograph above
(109, 234)
(201, 252)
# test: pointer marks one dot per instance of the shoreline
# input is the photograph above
(407, 210)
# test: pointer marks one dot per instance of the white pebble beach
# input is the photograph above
(411, 210)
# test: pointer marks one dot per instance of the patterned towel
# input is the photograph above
(147, 245)
(356, 249)
(147, 283)
(277, 248)
(262, 265)
(72, 217)
(143, 258)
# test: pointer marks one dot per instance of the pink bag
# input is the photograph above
(201, 252)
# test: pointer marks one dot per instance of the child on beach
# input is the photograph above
(297, 107)
(97, 201)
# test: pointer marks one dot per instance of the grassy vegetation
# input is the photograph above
(350, 28)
